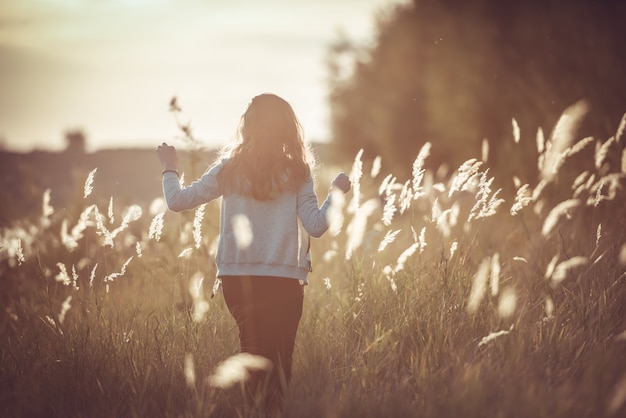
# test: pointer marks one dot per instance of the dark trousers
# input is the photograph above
(267, 311)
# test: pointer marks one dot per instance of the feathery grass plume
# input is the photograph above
(390, 237)
(418, 170)
(389, 273)
(540, 141)
(586, 186)
(181, 180)
(453, 247)
(406, 196)
(602, 151)
(562, 137)
(138, 249)
(596, 201)
(11, 247)
(242, 229)
(436, 211)
(376, 166)
(327, 283)
(385, 184)
(562, 209)
(539, 188)
(47, 210)
(358, 224)
(479, 286)
(216, 286)
(484, 150)
(494, 282)
(613, 180)
(598, 234)
(92, 276)
(389, 210)
(107, 238)
(446, 220)
(421, 239)
(74, 278)
(551, 266)
(414, 234)
(133, 213)
(110, 211)
(360, 292)
(197, 226)
(157, 205)
(624, 161)
(562, 269)
(237, 368)
(185, 253)
(190, 372)
(19, 252)
(579, 146)
(516, 130)
(618, 395)
(548, 307)
(486, 203)
(621, 130)
(70, 241)
(156, 227)
(507, 303)
(622, 255)
(494, 335)
(65, 307)
(355, 178)
(62, 276)
(465, 172)
(329, 255)
(334, 216)
(200, 304)
(89, 183)
(49, 321)
(581, 179)
(522, 199)
(111, 277)
(402, 259)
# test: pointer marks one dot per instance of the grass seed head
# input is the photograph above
(479, 286)
(88, 188)
(237, 368)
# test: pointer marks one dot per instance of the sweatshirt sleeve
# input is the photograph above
(203, 190)
(313, 218)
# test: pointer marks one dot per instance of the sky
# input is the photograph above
(110, 67)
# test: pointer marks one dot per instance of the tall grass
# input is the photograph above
(432, 297)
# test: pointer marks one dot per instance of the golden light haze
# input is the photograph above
(111, 67)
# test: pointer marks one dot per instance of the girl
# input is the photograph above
(269, 209)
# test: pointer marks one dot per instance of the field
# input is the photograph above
(436, 296)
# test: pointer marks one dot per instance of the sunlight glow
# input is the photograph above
(105, 61)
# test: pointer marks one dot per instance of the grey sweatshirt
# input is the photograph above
(257, 238)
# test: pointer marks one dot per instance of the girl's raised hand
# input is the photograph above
(168, 157)
(342, 182)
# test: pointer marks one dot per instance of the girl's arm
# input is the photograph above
(200, 191)
(314, 219)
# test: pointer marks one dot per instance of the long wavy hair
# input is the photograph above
(270, 156)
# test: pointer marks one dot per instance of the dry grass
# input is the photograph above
(434, 297)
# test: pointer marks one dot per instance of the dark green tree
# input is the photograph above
(454, 72)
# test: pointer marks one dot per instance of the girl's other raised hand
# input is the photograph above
(342, 182)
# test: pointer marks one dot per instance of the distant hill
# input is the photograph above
(130, 176)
